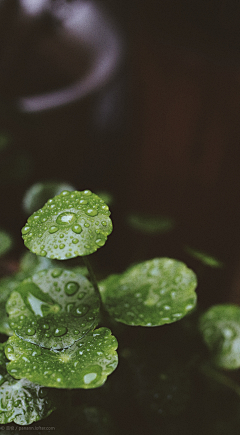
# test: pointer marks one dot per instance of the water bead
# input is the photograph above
(75, 241)
(92, 212)
(81, 310)
(61, 246)
(43, 253)
(45, 326)
(77, 229)
(53, 229)
(30, 331)
(86, 225)
(71, 288)
(83, 201)
(56, 273)
(61, 330)
(66, 218)
(25, 229)
(100, 242)
(87, 192)
(81, 295)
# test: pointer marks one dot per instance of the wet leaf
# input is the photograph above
(205, 258)
(86, 364)
(69, 225)
(220, 328)
(21, 401)
(5, 242)
(36, 196)
(53, 308)
(150, 224)
(151, 293)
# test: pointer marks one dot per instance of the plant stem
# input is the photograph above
(95, 285)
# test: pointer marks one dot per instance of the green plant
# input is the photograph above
(60, 321)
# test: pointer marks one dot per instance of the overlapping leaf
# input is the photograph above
(7, 285)
(5, 242)
(69, 225)
(151, 293)
(220, 328)
(86, 364)
(21, 401)
(53, 308)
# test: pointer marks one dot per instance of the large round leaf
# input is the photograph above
(86, 364)
(69, 225)
(21, 401)
(53, 308)
(220, 327)
(151, 293)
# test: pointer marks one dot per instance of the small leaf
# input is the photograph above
(7, 285)
(5, 242)
(4, 141)
(151, 293)
(69, 225)
(53, 308)
(36, 196)
(86, 364)
(148, 224)
(206, 259)
(21, 401)
(220, 328)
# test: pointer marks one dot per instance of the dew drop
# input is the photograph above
(25, 229)
(61, 246)
(87, 192)
(30, 331)
(100, 242)
(56, 273)
(53, 229)
(43, 253)
(86, 225)
(76, 332)
(37, 352)
(42, 393)
(66, 218)
(81, 295)
(45, 326)
(91, 212)
(65, 193)
(71, 288)
(61, 330)
(77, 229)
(81, 310)
(75, 241)
(47, 335)
(83, 201)
(104, 223)
(105, 207)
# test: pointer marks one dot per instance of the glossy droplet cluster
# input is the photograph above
(53, 308)
(86, 364)
(69, 225)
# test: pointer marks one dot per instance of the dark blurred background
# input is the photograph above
(162, 135)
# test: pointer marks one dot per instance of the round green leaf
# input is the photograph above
(151, 293)
(220, 328)
(5, 242)
(21, 401)
(69, 225)
(53, 308)
(36, 196)
(86, 364)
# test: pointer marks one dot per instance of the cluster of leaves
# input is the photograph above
(58, 319)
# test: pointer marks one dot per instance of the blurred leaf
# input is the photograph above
(152, 293)
(206, 259)
(220, 328)
(38, 194)
(150, 224)
(6, 242)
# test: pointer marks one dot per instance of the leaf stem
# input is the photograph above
(95, 285)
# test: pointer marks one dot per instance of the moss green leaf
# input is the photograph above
(151, 293)
(220, 328)
(69, 225)
(148, 224)
(21, 401)
(5, 242)
(53, 308)
(36, 196)
(86, 364)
